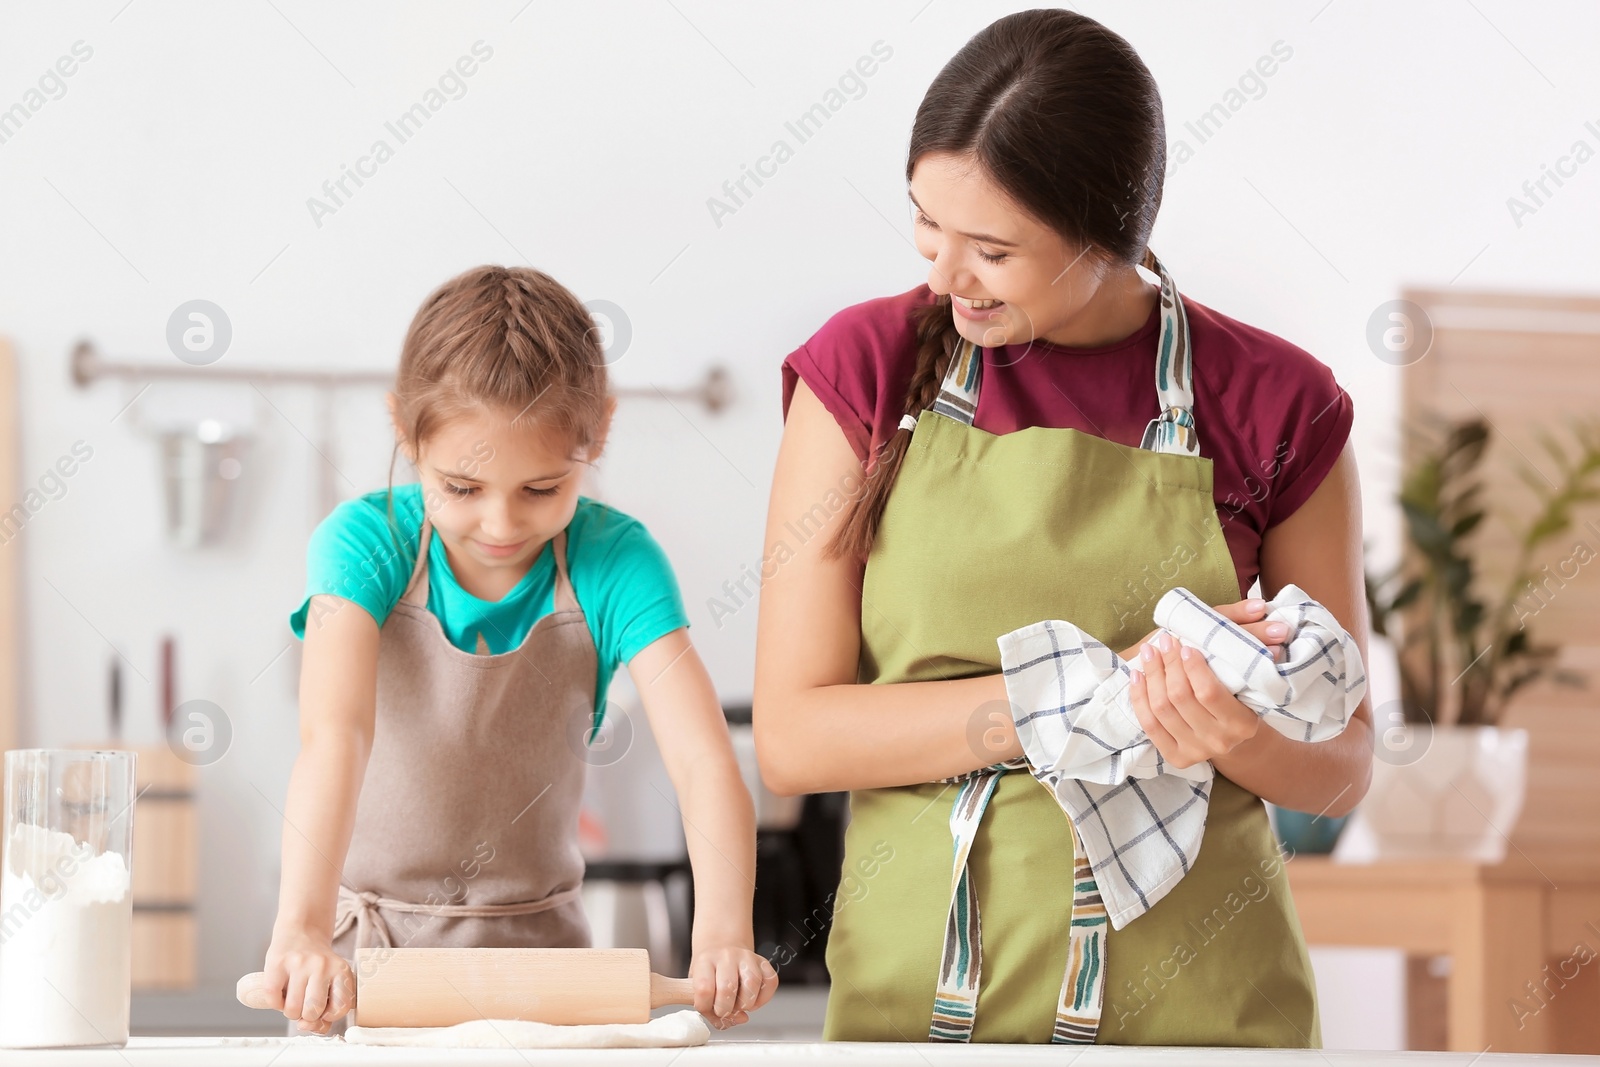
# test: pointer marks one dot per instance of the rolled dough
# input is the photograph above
(679, 1028)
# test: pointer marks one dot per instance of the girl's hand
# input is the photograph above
(313, 984)
(1187, 712)
(730, 983)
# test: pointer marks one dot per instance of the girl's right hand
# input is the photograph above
(1248, 618)
(311, 982)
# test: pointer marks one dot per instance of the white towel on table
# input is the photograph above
(1141, 819)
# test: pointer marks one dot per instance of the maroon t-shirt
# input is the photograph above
(1269, 415)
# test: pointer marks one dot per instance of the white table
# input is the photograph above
(329, 1052)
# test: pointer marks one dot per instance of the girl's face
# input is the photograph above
(497, 489)
(984, 249)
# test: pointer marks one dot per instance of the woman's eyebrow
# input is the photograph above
(987, 238)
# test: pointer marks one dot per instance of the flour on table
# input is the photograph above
(64, 942)
(679, 1028)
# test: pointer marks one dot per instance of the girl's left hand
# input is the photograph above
(730, 983)
(1188, 713)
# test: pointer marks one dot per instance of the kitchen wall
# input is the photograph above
(186, 158)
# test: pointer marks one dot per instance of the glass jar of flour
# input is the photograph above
(66, 899)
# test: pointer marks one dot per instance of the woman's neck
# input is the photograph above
(1120, 306)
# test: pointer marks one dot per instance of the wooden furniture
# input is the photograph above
(1523, 940)
(1528, 363)
(165, 868)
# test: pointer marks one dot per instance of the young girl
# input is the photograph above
(460, 634)
(1048, 435)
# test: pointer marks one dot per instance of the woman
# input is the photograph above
(1039, 433)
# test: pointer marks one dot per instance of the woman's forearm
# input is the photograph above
(1322, 777)
(721, 836)
(839, 737)
(319, 817)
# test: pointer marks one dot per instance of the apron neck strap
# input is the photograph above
(417, 587)
(1171, 431)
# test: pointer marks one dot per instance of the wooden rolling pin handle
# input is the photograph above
(664, 991)
(252, 991)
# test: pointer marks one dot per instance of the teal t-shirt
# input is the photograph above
(620, 575)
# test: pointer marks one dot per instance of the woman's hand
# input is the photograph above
(1184, 708)
(730, 983)
(1248, 614)
(311, 983)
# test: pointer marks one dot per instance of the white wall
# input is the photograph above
(179, 161)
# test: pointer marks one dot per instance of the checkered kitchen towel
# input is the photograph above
(1141, 819)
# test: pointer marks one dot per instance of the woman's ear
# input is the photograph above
(392, 402)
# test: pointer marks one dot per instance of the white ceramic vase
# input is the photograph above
(1444, 793)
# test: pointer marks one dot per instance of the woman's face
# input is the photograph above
(497, 489)
(984, 248)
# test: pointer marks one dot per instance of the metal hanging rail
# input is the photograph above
(714, 392)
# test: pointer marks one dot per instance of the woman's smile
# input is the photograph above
(977, 309)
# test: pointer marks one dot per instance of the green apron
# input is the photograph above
(983, 534)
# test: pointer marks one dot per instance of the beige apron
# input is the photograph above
(466, 827)
(982, 534)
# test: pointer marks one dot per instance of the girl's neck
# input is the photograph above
(490, 584)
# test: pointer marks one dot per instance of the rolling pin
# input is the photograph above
(445, 986)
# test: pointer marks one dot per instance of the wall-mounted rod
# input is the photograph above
(714, 392)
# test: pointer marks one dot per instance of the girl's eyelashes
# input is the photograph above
(468, 490)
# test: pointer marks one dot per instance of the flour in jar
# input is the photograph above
(66, 915)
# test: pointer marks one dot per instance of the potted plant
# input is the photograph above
(1447, 779)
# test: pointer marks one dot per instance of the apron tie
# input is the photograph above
(361, 911)
(955, 1004)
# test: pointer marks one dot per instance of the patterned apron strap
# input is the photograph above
(1083, 986)
(958, 396)
(1173, 430)
(955, 1004)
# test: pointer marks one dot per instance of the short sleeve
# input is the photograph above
(355, 554)
(859, 365)
(1318, 425)
(802, 365)
(638, 600)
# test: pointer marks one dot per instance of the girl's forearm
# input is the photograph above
(719, 824)
(1322, 777)
(319, 817)
(839, 737)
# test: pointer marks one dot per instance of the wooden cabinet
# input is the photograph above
(165, 857)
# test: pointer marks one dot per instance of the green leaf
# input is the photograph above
(1407, 594)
